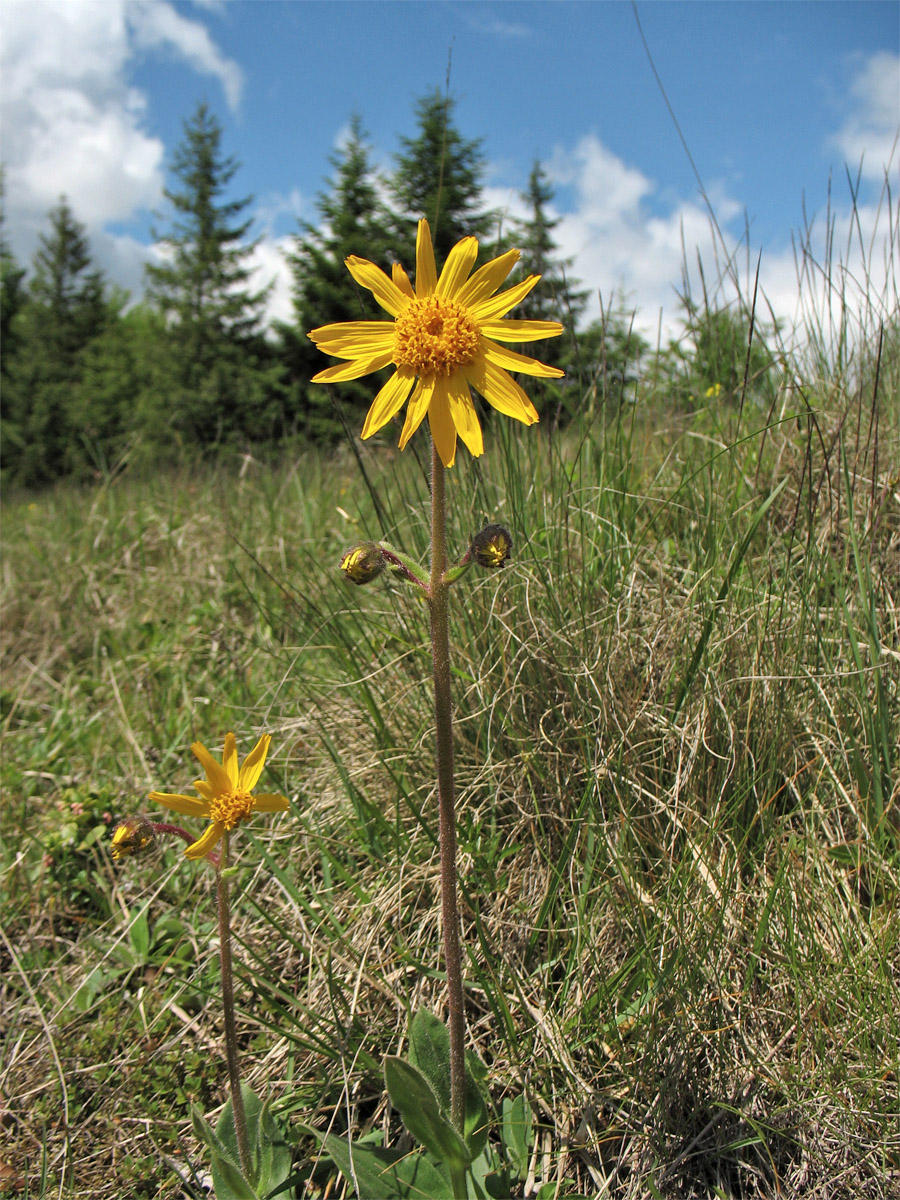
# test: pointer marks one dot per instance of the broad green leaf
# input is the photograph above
(228, 1179)
(413, 1096)
(381, 1174)
(516, 1133)
(429, 1050)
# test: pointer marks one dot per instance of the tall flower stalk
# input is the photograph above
(443, 723)
(446, 337)
(227, 975)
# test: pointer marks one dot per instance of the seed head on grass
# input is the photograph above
(445, 334)
(226, 798)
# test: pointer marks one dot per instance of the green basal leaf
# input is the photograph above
(228, 1179)
(516, 1133)
(381, 1174)
(270, 1154)
(414, 1098)
(274, 1153)
(429, 1050)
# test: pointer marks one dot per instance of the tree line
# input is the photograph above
(90, 382)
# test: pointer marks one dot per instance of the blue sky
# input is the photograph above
(772, 98)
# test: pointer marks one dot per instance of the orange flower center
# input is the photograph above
(434, 336)
(231, 807)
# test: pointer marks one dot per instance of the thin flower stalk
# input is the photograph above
(227, 972)
(443, 720)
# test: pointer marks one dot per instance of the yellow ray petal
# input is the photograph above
(215, 772)
(501, 391)
(206, 790)
(344, 372)
(496, 306)
(253, 764)
(383, 289)
(462, 410)
(210, 838)
(503, 330)
(426, 271)
(459, 263)
(352, 339)
(190, 806)
(416, 410)
(487, 279)
(389, 400)
(230, 758)
(401, 279)
(443, 431)
(270, 802)
(500, 356)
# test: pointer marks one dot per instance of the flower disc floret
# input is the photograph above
(435, 337)
(231, 808)
(444, 338)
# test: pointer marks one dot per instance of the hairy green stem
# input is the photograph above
(443, 719)
(231, 1049)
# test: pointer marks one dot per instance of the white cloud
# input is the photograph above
(270, 266)
(870, 130)
(156, 23)
(73, 125)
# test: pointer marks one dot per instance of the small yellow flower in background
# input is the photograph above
(133, 836)
(444, 334)
(713, 393)
(226, 800)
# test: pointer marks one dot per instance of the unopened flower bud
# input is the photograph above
(492, 546)
(363, 563)
(133, 836)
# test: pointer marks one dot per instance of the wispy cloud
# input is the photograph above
(157, 24)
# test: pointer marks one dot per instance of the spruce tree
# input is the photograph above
(222, 386)
(12, 292)
(597, 358)
(64, 311)
(438, 176)
(352, 220)
(556, 297)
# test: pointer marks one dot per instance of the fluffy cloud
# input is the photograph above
(870, 131)
(72, 124)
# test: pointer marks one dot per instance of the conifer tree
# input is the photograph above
(594, 358)
(352, 220)
(64, 311)
(12, 292)
(438, 176)
(222, 385)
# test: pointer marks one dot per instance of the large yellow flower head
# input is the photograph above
(442, 340)
(225, 793)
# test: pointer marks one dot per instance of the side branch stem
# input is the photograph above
(443, 718)
(231, 1048)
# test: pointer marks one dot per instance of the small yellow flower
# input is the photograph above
(444, 334)
(133, 836)
(714, 392)
(226, 800)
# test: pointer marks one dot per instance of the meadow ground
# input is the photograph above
(677, 721)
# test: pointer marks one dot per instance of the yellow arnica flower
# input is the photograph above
(443, 338)
(225, 793)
